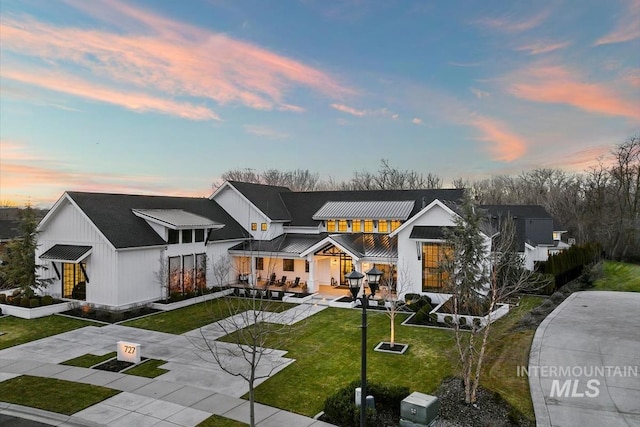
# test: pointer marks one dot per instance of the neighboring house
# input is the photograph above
(111, 245)
(106, 248)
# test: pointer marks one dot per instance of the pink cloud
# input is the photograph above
(538, 48)
(168, 58)
(349, 110)
(34, 178)
(627, 28)
(266, 132)
(511, 25)
(557, 85)
(138, 102)
(505, 145)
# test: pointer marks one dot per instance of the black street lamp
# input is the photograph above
(355, 279)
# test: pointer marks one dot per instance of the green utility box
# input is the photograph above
(418, 410)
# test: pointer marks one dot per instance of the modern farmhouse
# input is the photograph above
(109, 249)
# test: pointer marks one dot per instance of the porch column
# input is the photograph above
(253, 278)
(311, 282)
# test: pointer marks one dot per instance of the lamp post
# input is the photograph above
(355, 279)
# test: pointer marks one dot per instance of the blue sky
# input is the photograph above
(161, 97)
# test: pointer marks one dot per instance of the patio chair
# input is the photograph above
(296, 283)
(272, 279)
(282, 281)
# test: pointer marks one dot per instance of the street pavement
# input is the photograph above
(584, 365)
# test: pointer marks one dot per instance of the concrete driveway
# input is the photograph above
(584, 366)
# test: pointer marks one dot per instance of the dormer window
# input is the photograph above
(368, 226)
(356, 226)
(556, 235)
(331, 225)
(342, 226)
(383, 226)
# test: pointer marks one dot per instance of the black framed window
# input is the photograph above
(187, 236)
(287, 265)
(306, 266)
(201, 271)
(175, 273)
(263, 226)
(259, 263)
(254, 226)
(199, 235)
(74, 283)
(174, 237)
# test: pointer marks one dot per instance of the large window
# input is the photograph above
(74, 282)
(368, 226)
(175, 271)
(432, 277)
(201, 271)
(188, 273)
(342, 225)
(287, 265)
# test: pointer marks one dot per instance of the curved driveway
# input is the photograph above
(584, 366)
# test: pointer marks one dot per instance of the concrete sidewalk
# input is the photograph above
(191, 391)
(584, 365)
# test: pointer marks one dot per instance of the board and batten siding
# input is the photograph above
(245, 214)
(137, 282)
(408, 250)
(69, 226)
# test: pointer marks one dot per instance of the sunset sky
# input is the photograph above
(161, 97)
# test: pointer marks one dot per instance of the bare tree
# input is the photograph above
(162, 275)
(221, 267)
(479, 279)
(296, 180)
(392, 293)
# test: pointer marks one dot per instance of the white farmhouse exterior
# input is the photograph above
(106, 249)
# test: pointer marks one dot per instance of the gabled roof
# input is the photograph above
(428, 232)
(113, 215)
(303, 205)
(533, 224)
(389, 209)
(266, 198)
(360, 245)
(283, 244)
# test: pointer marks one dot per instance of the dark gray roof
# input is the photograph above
(71, 253)
(302, 205)
(286, 243)
(114, 217)
(533, 224)
(427, 232)
(366, 245)
(266, 198)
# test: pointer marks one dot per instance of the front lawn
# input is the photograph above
(63, 397)
(19, 331)
(196, 316)
(619, 276)
(327, 352)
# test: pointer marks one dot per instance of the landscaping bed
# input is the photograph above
(90, 313)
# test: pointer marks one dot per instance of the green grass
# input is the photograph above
(619, 276)
(506, 351)
(196, 316)
(63, 397)
(19, 331)
(148, 369)
(327, 352)
(218, 421)
(88, 360)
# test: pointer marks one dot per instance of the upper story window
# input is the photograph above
(254, 226)
(556, 235)
(342, 225)
(263, 226)
(187, 236)
(259, 263)
(383, 226)
(199, 235)
(174, 237)
(395, 224)
(331, 225)
(355, 225)
(368, 226)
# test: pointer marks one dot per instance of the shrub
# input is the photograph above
(409, 297)
(34, 302)
(47, 300)
(448, 320)
(462, 321)
(24, 302)
(433, 317)
(340, 407)
(3, 298)
(422, 316)
(477, 323)
(417, 304)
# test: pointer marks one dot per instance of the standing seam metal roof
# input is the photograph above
(374, 209)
